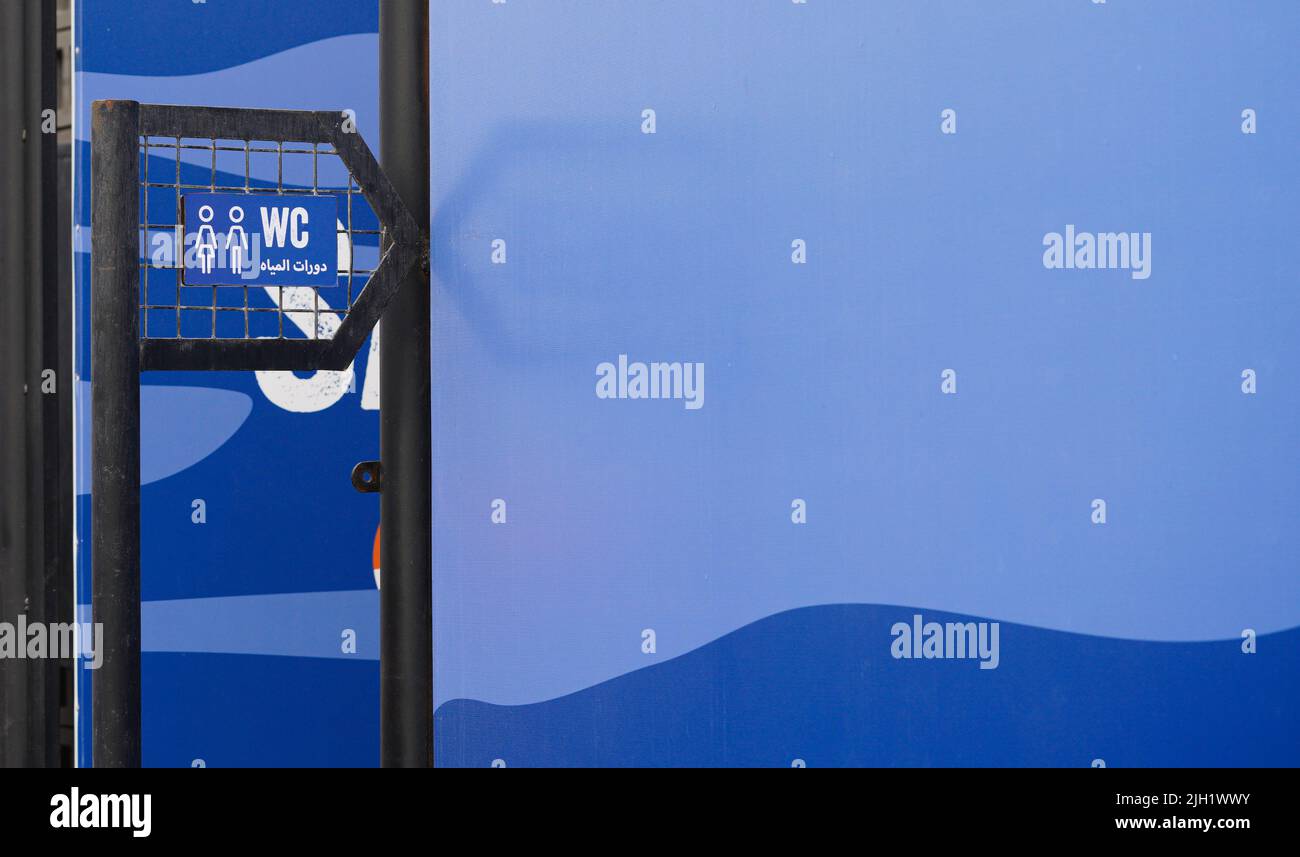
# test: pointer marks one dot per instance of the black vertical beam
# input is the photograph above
(115, 417)
(34, 538)
(50, 539)
(15, 515)
(406, 577)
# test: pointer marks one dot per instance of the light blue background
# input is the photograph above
(778, 121)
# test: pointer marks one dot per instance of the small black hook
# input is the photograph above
(366, 477)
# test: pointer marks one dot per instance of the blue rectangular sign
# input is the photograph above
(239, 239)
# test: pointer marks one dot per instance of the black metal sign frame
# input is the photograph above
(120, 131)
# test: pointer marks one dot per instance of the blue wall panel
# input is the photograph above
(777, 122)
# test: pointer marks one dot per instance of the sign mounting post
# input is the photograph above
(196, 268)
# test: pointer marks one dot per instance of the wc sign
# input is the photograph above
(240, 239)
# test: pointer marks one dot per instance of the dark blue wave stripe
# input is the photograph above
(165, 38)
(820, 684)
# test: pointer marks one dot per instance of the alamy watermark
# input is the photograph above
(921, 639)
(23, 640)
(637, 380)
(207, 250)
(1127, 251)
(130, 811)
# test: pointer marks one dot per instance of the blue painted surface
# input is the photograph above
(155, 38)
(241, 711)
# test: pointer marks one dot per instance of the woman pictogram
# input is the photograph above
(206, 240)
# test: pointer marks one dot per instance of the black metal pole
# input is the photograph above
(16, 546)
(115, 416)
(43, 440)
(34, 540)
(406, 558)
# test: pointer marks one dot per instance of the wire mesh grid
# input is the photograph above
(172, 308)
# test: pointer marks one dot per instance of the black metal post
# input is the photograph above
(16, 548)
(115, 414)
(44, 494)
(406, 559)
(34, 538)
